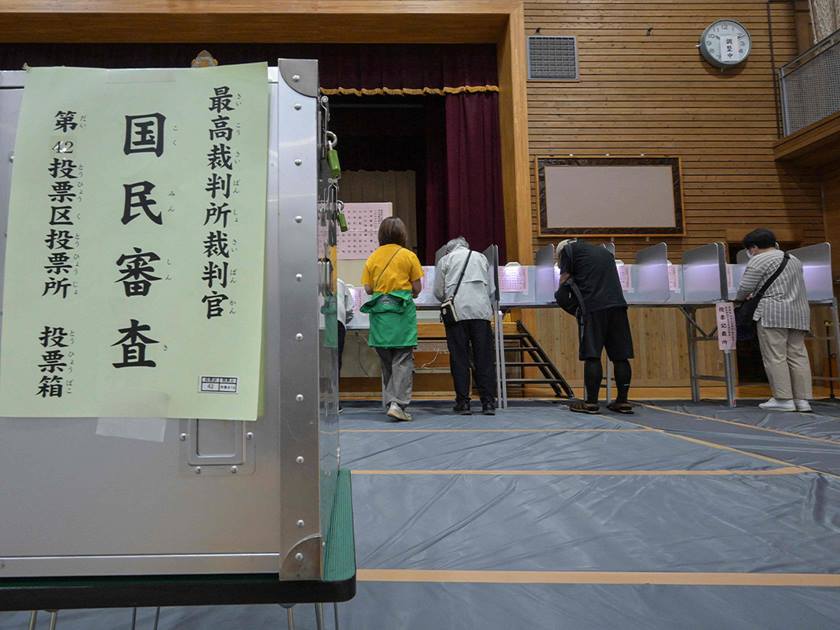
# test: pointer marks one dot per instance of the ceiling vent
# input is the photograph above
(552, 58)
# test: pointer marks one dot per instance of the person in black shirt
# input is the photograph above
(602, 318)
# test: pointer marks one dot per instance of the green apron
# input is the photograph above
(393, 320)
(329, 309)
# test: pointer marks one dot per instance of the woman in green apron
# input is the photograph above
(392, 279)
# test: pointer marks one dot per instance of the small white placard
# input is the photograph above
(219, 384)
(727, 331)
(624, 277)
(673, 277)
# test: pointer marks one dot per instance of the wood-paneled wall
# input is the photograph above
(398, 187)
(643, 88)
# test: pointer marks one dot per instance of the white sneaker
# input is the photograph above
(803, 406)
(398, 413)
(778, 405)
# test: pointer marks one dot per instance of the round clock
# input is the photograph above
(725, 44)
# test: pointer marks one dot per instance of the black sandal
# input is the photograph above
(581, 406)
(621, 407)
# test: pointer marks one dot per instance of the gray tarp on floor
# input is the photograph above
(536, 451)
(383, 606)
(738, 523)
(776, 524)
(431, 415)
(819, 455)
(824, 422)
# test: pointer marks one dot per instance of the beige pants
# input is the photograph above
(786, 362)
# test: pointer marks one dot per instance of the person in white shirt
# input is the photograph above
(470, 339)
(344, 311)
(783, 320)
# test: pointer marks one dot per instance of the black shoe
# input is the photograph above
(462, 408)
(488, 409)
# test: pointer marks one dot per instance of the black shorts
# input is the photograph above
(608, 329)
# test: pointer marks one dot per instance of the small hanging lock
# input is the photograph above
(339, 215)
(332, 155)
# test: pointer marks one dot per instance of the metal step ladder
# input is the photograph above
(529, 355)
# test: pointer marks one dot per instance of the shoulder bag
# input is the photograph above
(568, 295)
(746, 310)
(448, 313)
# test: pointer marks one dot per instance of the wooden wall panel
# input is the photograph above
(831, 201)
(643, 88)
(398, 187)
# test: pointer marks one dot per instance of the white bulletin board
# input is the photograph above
(363, 219)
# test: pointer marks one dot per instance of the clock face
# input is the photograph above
(725, 43)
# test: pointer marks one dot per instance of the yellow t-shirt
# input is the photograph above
(404, 269)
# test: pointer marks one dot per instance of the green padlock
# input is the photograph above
(342, 220)
(332, 162)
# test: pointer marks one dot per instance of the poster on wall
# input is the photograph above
(361, 237)
(133, 278)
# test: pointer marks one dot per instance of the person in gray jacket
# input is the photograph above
(470, 339)
(783, 320)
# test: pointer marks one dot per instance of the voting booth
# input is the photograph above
(152, 483)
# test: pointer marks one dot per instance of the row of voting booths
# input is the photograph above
(703, 279)
(147, 511)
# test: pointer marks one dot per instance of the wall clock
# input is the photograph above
(725, 44)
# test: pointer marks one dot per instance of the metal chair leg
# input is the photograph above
(157, 618)
(33, 620)
(290, 616)
(53, 619)
(335, 614)
(319, 616)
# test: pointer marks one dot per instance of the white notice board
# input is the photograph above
(363, 219)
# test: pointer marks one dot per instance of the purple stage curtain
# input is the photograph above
(463, 177)
(356, 66)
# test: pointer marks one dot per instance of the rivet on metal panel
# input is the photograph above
(300, 523)
(299, 337)
(234, 470)
(249, 436)
(183, 437)
(198, 470)
(11, 157)
(299, 459)
(299, 557)
(298, 162)
(299, 398)
(295, 77)
(298, 219)
(298, 277)
(298, 106)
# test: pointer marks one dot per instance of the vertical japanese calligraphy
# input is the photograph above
(221, 187)
(135, 252)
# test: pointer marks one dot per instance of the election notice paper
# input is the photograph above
(133, 278)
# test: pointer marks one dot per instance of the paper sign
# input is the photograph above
(727, 332)
(513, 279)
(361, 238)
(624, 277)
(136, 237)
(673, 278)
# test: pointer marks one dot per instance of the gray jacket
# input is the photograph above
(473, 299)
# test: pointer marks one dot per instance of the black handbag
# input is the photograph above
(568, 295)
(569, 298)
(448, 314)
(745, 311)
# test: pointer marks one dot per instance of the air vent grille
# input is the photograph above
(552, 58)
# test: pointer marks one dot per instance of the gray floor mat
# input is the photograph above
(536, 451)
(661, 523)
